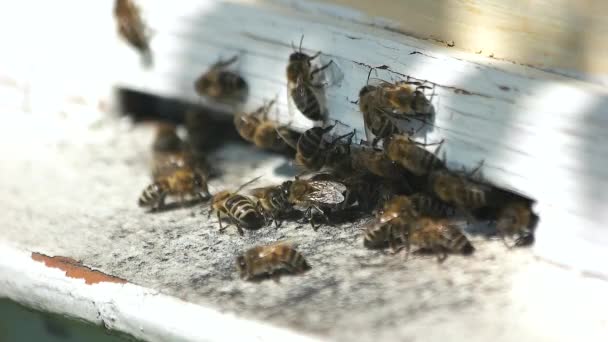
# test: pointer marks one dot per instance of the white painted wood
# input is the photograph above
(539, 133)
(143, 313)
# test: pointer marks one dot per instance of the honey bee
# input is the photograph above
(458, 190)
(426, 205)
(221, 84)
(132, 28)
(300, 76)
(264, 133)
(270, 260)
(376, 163)
(273, 201)
(312, 196)
(438, 236)
(240, 210)
(405, 101)
(376, 114)
(311, 147)
(435, 235)
(517, 219)
(166, 139)
(409, 154)
(370, 192)
(181, 182)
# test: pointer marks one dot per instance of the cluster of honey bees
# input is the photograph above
(413, 197)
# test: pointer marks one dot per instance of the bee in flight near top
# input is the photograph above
(222, 84)
(300, 83)
(132, 28)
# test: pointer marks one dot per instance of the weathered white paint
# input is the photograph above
(141, 312)
(539, 133)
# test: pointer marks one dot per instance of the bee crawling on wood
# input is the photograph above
(221, 84)
(181, 182)
(411, 155)
(264, 133)
(273, 202)
(311, 148)
(313, 196)
(461, 191)
(270, 260)
(382, 103)
(240, 210)
(517, 219)
(132, 28)
(300, 76)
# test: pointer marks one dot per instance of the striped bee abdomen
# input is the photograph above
(152, 195)
(243, 210)
(455, 241)
(306, 101)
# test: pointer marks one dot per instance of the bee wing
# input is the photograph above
(327, 192)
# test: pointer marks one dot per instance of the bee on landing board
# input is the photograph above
(240, 210)
(301, 89)
(456, 189)
(221, 84)
(273, 201)
(437, 236)
(264, 133)
(181, 182)
(131, 27)
(411, 155)
(516, 219)
(313, 196)
(270, 260)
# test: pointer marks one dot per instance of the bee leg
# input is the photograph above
(239, 229)
(225, 63)
(316, 70)
(441, 254)
(160, 203)
(219, 220)
(313, 56)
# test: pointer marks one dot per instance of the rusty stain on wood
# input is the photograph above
(76, 270)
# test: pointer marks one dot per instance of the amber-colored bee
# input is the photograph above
(456, 189)
(376, 113)
(239, 209)
(377, 163)
(411, 155)
(313, 196)
(221, 84)
(300, 75)
(270, 260)
(517, 219)
(132, 28)
(438, 236)
(181, 182)
(405, 101)
(426, 205)
(273, 201)
(264, 133)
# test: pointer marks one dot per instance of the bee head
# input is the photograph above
(246, 125)
(299, 57)
(200, 184)
(366, 89)
(241, 265)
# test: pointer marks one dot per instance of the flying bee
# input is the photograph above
(273, 201)
(300, 76)
(221, 84)
(457, 190)
(517, 219)
(264, 133)
(132, 28)
(411, 155)
(270, 260)
(437, 236)
(181, 182)
(312, 196)
(240, 210)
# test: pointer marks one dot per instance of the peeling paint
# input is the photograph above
(75, 269)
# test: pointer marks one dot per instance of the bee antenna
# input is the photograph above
(301, 39)
(369, 74)
(247, 183)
